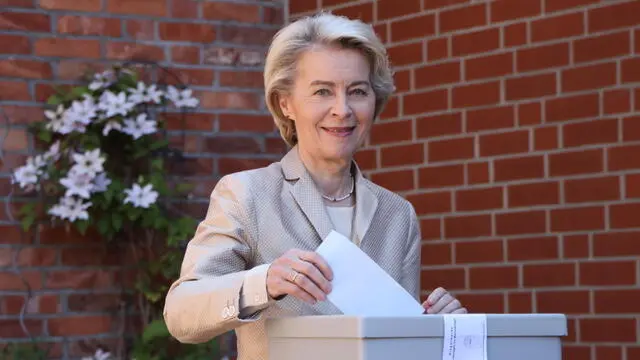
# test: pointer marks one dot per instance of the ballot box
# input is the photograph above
(507, 337)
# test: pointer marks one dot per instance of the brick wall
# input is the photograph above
(217, 47)
(515, 133)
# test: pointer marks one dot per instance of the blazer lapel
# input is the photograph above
(366, 205)
(306, 193)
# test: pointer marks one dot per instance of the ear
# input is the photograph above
(285, 105)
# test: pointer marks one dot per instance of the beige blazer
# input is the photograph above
(255, 216)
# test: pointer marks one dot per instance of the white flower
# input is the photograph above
(70, 208)
(101, 80)
(101, 182)
(78, 183)
(99, 355)
(140, 126)
(56, 118)
(78, 116)
(91, 162)
(111, 125)
(53, 153)
(26, 175)
(113, 104)
(182, 98)
(144, 94)
(141, 196)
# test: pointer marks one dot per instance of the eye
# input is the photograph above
(360, 92)
(322, 92)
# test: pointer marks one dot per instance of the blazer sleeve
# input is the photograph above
(412, 261)
(207, 298)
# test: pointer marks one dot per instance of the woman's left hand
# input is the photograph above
(441, 302)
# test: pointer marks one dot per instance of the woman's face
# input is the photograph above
(331, 102)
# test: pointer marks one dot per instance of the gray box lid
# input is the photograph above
(339, 326)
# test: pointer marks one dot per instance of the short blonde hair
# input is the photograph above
(321, 29)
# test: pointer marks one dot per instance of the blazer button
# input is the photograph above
(225, 312)
(256, 299)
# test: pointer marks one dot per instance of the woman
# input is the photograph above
(327, 78)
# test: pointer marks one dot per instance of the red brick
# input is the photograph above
(85, 5)
(34, 257)
(619, 158)
(363, 12)
(187, 32)
(479, 199)
(475, 42)
(200, 77)
(382, 31)
(14, 90)
(601, 47)
(185, 54)
(592, 189)
(438, 48)
(389, 8)
(523, 222)
(557, 5)
(467, 226)
(431, 203)
(602, 273)
(520, 302)
(574, 219)
(576, 352)
(232, 145)
(614, 16)
(405, 54)
(564, 302)
(490, 118)
(416, 27)
(14, 44)
(19, 3)
(529, 113)
(477, 173)
(431, 229)
(631, 129)
(482, 303)
(16, 140)
(533, 86)
(86, 25)
(632, 182)
(436, 254)
(402, 155)
(401, 180)
(545, 138)
(454, 279)
(489, 66)
(601, 131)
(624, 215)
(479, 252)
(572, 107)
(476, 94)
(616, 244)
(439, 4)
(451, 149)
(402, 79)
(575, 246)
(232, 165)
(633, 352)
(495, 277)
(619, 301)
(504, 10)
(527, 167)
(28, 22)
(12, 328)
(609, 352)
(237, 122)
(536, 248)
(576, 162)
(462, 18)
(67, 48)
(589, 77)
(229, 11)
(549, 275)
(79, 279)
(228, 100)
(426, 102)
(515, 34)
(531, 194)
(617, 101)
(542, 57)
(557, 27)
(138, 7)
(184, 9)
(504, 143)
(79, 325)
(391, 109)
(608, 330)
(367, 159)
(440, 176)
(438, 74)
(390, 132)
(134, 51)
(628, 70)
(438, 125)
(302, 6)
(141, 29)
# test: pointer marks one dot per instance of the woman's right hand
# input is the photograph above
(303, 274)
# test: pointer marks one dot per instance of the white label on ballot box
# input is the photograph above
(465, 337)
(360, 287)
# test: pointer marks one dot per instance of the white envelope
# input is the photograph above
(360, 287)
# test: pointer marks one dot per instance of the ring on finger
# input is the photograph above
(293, 276)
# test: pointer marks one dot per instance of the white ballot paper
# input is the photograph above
(360, 287)
(465, 337)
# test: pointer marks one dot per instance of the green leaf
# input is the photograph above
(103, 225)
(45, 136)
(159, 144)
(184, 187)
(156, 329)
(78, 92)
(55, 99)
(157, 164)
(116, 220)
(82, 226)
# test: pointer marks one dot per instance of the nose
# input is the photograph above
(341, 107)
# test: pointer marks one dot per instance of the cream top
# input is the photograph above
(341, 217)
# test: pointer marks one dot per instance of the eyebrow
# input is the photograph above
(329, 83)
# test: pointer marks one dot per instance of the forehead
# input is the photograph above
(332, 64)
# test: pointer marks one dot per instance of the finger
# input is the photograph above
(292, 289)
(310, 287)
(460, 311)
(435, 296)
(319, 262)
(451, 307)
(440, 304)
(313, 273)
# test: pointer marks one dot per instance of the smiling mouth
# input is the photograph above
(340, 131)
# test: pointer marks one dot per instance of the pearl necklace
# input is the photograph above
(334, 199)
